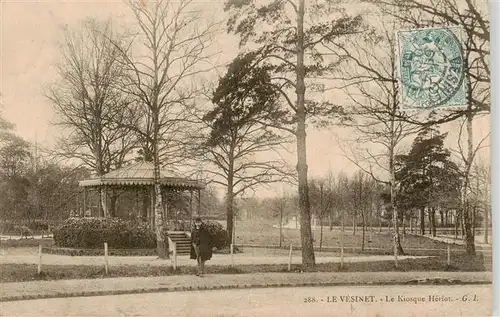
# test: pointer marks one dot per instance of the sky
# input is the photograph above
(30, 34)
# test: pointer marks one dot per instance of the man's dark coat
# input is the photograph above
(202, 238)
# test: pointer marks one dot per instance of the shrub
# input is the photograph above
(217, 233)
(98, 252)
(93, 232)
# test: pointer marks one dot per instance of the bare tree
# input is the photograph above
(171, 47)
(343, 202)
(467, 155)
(322, 198)
(89, 107)
(363, 194)
(281, 207)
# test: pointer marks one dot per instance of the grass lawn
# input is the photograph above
(28, 272)
(260, 233)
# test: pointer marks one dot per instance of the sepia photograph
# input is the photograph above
(227, 158)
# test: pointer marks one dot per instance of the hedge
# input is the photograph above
(91, 233)
(98, 252)
(218, 234)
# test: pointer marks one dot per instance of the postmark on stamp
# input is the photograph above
(431, 68)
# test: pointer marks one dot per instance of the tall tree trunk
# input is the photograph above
(392, 154)
(229, 214)
(397, 240)
(441, 213)
(379, 222)
(433, 219)
(371, 221)
(474, 211)
(102, 202)
(157, 193)
(281, 222)
(321, 217)
(308, 258)
(151, 211)
(370, 238)
(462, 228)
(470, 247)
(429, 218)
(164, 206)
(487, 208)
(354, 224)
(422, 220)
(321, 232)
(330, 223)
(486, 225)
(103, 196)
(343, 216)
(363, 230)
(463, 223)
(233, 238)
(229, 204)
(158, 217)
(230, 197)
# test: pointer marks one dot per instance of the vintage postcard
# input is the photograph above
(245, 158)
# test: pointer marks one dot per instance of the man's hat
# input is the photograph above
(197, 219)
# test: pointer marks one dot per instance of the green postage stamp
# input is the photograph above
(431, 68)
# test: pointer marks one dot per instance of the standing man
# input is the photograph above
(201, 246)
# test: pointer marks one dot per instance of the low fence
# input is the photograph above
(172, 253)
(104, 251)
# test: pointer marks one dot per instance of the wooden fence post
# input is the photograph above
(106, 257)
(172, 246)
(290, 259)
